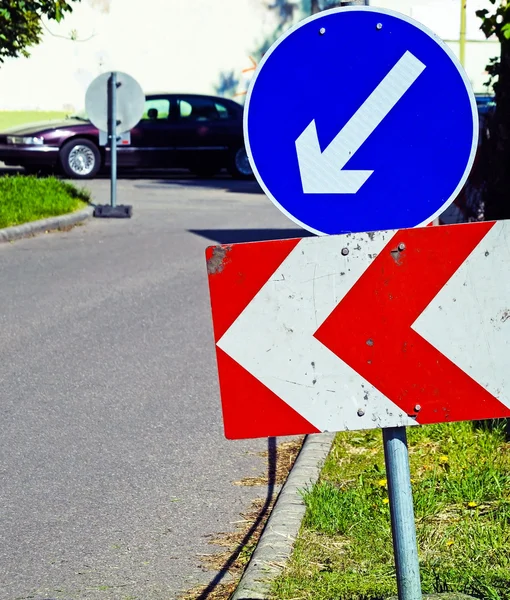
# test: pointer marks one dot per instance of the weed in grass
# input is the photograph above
(24, 199)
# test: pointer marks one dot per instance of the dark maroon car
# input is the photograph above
(196, 132)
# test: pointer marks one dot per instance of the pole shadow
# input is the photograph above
(271, 477)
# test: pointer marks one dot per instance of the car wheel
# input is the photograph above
(240, 167)
(80, 159)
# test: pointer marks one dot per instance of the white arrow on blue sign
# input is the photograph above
(360, 119)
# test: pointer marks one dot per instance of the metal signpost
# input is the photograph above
(364, 330)
(112, 135)
(114, 103)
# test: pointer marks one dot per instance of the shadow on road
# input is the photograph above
(271, 478)
(162, 177)
(224, 183)
(233, 236)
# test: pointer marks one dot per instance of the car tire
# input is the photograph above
(80, 159)
(239, 165)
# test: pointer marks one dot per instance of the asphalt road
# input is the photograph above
(113, 466)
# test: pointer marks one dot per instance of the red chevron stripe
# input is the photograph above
(371, 328)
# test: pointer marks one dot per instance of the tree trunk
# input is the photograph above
(496, 154)
(315, 8)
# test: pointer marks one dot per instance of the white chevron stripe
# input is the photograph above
(469, 320)
(273, 337)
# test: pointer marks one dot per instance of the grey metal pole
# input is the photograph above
(112, 134)
(355, 2)
(402, 513)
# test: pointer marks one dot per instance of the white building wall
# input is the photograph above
(180, 45)
(171, 45)
(443, 17)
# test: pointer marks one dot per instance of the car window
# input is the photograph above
(185, 109)
(201, 109)
(156, 109)
(222, 111)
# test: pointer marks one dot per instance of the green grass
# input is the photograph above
(24, 199)
(12, 118)
(461, 487)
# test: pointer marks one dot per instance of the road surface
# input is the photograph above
(114, 469)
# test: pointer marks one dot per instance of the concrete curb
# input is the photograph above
(277, 540)
(28, 229)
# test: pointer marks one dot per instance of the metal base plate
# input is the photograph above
(122, 211)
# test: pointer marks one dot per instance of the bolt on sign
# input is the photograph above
(360, 331)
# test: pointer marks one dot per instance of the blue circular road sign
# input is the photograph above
(360, 119)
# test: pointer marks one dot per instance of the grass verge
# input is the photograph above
(24, 199)
(12, 118)
(461, 487)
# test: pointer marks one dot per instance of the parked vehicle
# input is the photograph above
(486, 103)
(197, 132)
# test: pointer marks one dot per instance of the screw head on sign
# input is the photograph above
(345, 251)
(322, 30)
(417, 408)
(401, 247)
(379, 26)
(361, 412)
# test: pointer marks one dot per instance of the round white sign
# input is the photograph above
(130, 102)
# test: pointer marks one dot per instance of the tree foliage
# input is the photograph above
(497, 21)
(495, 150)
(21, 23)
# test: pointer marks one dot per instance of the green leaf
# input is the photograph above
(21, 23)
(505, 30)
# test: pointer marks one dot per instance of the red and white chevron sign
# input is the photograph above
(363, 331)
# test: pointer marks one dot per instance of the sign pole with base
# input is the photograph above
(112, 135)
(403, 526)
(115, 103)
(113, 211)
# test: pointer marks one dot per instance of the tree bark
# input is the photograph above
(496, 154)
